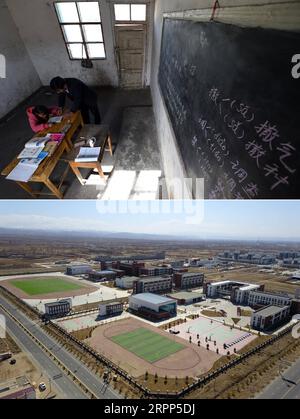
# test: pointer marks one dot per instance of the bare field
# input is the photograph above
(23, 254)
(22, 367)
(273, 282)
(253, 375)
(8, 344)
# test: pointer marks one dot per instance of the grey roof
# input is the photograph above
(274, 294)
(270, 311)
(55, 303)
(188, 274)
(153, 298)
(186, 295)
(79, 265)
(103, 272)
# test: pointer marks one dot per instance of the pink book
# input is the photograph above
(56, 137)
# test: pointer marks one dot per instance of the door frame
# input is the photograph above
(148, 25)
(117, 52)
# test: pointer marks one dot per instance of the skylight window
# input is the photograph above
(89, 12)
(93, 33)
(73, 33)
(67, 12)
(138, 12)
(82, 29)
(130, 12)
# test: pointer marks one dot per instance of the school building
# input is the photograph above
(268, 318)
(155, 284)
(110, 309)
(152, 307)
(188, 280)
(58, 309)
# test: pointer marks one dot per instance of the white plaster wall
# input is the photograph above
(251, 13)
(40, 31)
(21, 77)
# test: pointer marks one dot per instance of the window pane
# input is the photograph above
(93, 33)
(77, 51)
(96, 50)
(122, 11)
(72, 33)
(89, 11)
(138, 12)
(67, 12)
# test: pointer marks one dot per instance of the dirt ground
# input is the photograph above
(211, 313)
(252, 375)
(191, 361)
(24, 367)
(273, 282)
(66, 294)
(8, 344)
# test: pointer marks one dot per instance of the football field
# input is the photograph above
(147, 345)
(44, 285)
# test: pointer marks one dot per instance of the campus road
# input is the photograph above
(63, 382)
(49, 368)
(285, 387)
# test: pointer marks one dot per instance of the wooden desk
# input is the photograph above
(103, 137)
(46, 168)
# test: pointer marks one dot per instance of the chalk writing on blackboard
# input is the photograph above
(266, 136)
(233, 107)
(296, 67)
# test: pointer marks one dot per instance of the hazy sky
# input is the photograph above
(216, 219)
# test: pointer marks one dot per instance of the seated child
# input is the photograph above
(38, 117)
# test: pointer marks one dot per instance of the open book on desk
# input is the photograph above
(37, 142)
(26, 168)
(55, 120)
(30, 153)
(88, 154)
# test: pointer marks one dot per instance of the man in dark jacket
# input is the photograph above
(84, 99)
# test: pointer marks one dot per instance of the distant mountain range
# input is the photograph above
(134, 236)
(95, 234)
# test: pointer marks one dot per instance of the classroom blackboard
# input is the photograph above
(234, 107)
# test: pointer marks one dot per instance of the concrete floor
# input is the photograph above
(136, 157)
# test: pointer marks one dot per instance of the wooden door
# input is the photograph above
(130, 48)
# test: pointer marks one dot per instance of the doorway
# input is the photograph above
(130, 50)
(131, 43)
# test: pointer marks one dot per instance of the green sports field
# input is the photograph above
(44, 285)
(147, 345)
